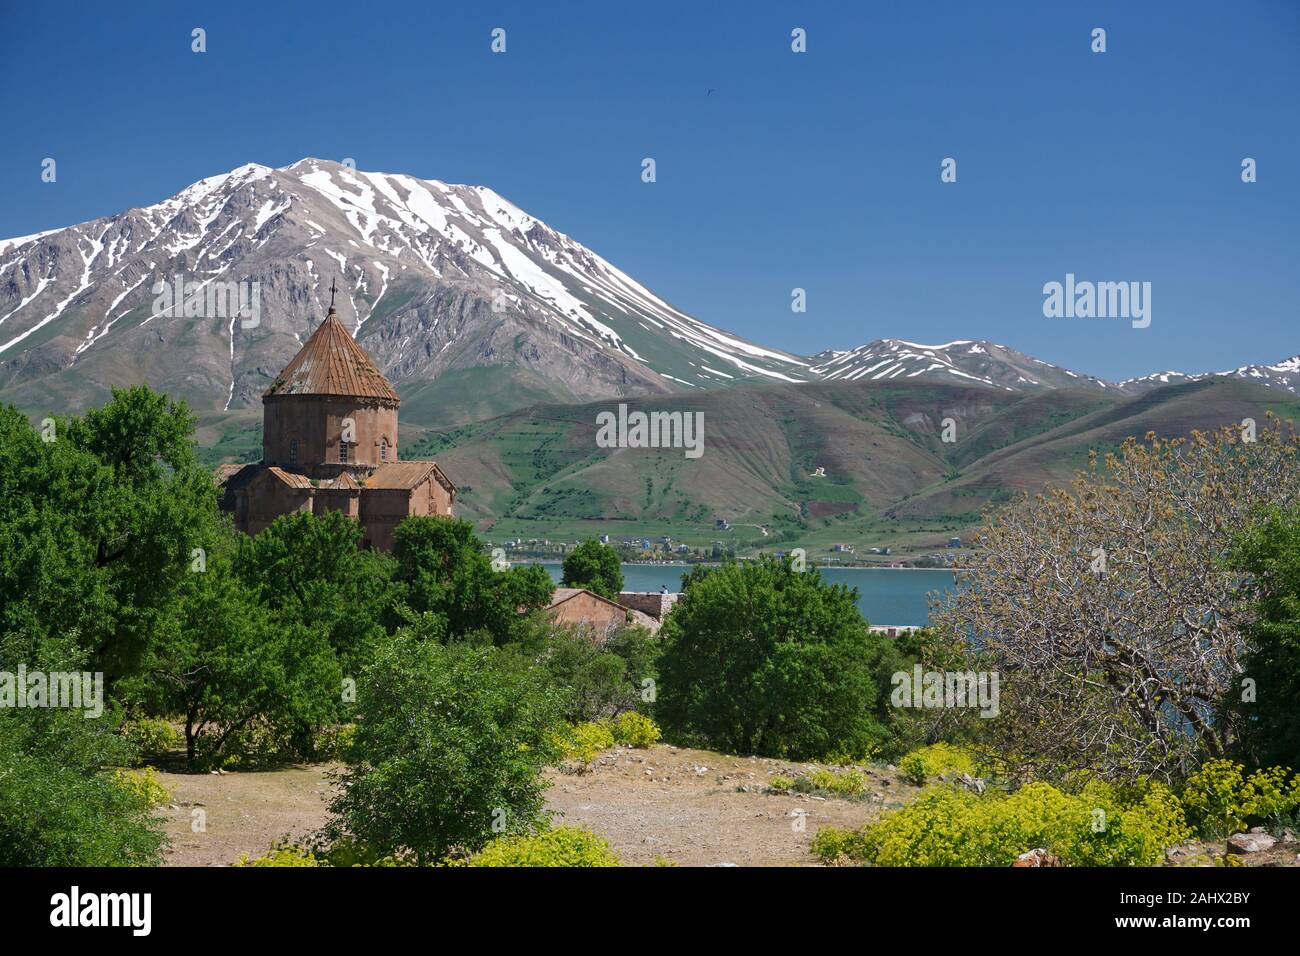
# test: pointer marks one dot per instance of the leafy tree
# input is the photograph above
(1269, 551)
(60, 801)
(225, 660)
(442, 568)
(451, 740)
(596, 567)
(311, 572)
(1108, 612)
(107, 509)
(760, 658)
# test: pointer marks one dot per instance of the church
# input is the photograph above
(329, 443)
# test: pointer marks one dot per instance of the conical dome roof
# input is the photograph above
(332, 363)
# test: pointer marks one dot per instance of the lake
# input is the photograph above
(885, 595)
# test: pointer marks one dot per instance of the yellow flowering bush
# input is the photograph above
(561, 846)
(925, 762)
(1220, 798)
(146, 785)
(633, 729)
(948, 826)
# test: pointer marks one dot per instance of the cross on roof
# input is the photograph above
(332, 290)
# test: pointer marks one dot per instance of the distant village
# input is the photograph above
(665, 549)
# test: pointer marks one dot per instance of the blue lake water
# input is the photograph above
(885, 595)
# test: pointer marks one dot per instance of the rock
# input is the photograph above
(1242, 843)
(1037, 857)
(972, 783)
(1288, 835)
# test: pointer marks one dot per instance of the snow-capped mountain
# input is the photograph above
(433, 278)
(1284, 375)
(960, 362)
(467, 303)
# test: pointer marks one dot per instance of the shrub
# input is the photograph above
(450, 742)
(561, 846)
(925, 762)
(847, 783)
(836, 847)
(145, 785)
(1268, 553)
(1220, 799)
(61, 804)
(594, 681)
(948, 826)
(781, 784)
(582, 742)
(634, 730)
(282, 854)
(151, 736)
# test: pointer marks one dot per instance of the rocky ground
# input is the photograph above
(1255, 848)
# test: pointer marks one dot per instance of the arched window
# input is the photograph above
(383, 449)
(293, 451)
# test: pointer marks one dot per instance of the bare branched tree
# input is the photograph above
(1108, 612)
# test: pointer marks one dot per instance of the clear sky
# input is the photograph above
(817, 170)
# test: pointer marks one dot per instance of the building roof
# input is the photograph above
(402, 475)
(290, 478)
(332, 363)
(343, 482)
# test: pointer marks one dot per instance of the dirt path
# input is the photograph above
(683, 806)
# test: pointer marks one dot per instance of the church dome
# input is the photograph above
(331, 363)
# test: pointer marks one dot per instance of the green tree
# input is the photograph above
(596, 567)
(442, 569)
(311, 572)
(1269, 552)
(760, 658)
(225, 660)
(99, 519)
(449, 749)
(60, 801)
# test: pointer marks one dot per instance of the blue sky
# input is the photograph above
(817, 170)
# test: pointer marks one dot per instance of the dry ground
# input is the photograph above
(679, 805)
(689, 807)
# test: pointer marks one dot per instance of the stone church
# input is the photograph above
(329, 443)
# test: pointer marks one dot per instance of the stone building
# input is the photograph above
(598, 616)
(329, 443)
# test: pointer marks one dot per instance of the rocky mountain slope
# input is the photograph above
(468, 304)
(434, 279)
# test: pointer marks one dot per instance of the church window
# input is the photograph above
(293, 451)
(383, 449)
(343, 452)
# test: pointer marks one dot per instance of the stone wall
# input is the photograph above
(654, 603)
